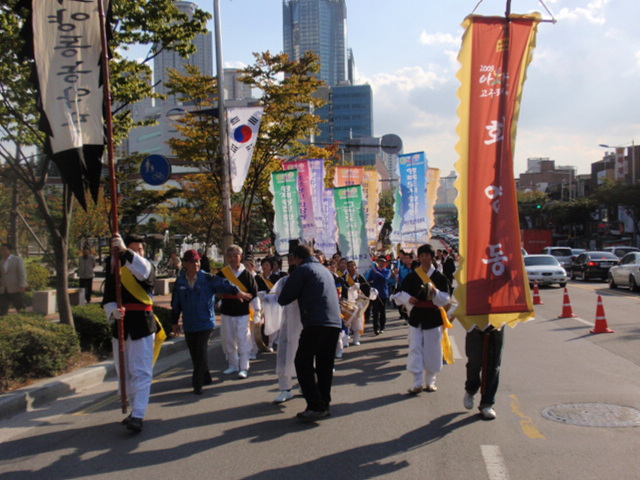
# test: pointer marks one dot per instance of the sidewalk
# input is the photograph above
(46, 391)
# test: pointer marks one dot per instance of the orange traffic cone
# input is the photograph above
(567, 311)
(536, 295)
(601, 319)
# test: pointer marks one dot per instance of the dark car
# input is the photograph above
(593, 265)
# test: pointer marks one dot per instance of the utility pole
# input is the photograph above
(227, 231)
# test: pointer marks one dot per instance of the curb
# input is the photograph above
(42, 393)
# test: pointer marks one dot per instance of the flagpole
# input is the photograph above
(115, 254)
(227, 229)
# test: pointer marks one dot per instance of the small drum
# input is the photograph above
(349, 310)
(262, 340)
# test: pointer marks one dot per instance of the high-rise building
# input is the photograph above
(167, 59)
(348, 119)
(234, 89)
(154, 139)
(319, 26)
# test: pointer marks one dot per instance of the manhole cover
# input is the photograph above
(593, 415)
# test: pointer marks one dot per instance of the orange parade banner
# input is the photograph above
(348, 175)
(493, 286)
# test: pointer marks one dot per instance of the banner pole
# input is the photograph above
(115, 254)
(501, 152)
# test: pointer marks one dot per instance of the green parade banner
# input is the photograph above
(286, 204)
(350, 215)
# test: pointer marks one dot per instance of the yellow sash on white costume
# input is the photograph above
(447, 348)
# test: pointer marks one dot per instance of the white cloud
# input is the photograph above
(638, 58)
(593, 12)
(237, 64)
(438, 39)
(406, 80)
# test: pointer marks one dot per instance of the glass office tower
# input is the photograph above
(319, 26)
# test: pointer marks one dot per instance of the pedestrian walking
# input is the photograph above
(140, 326)
(13, 280)
(193, 298)
(86, 265)
(312, 285)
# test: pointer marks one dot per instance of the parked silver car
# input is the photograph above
(621, 250)
(545, 269)
(626, 273)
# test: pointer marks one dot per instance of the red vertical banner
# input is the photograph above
(493, 287)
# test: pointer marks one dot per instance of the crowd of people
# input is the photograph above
(308, 315)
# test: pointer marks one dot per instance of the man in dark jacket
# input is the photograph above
(379, 277)
(193, 297)
(314, 288)
(448, 267)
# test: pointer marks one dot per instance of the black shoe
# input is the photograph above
(197, 390)
(126, 421)
(207, 381)
(135, 425)
(312, 415)
(376, 332)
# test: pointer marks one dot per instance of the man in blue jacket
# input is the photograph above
(379, 277)
(193, 297)
(313, 286)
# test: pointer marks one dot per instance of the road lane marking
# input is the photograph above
(94, 407)
(494, 462)
(606, 291)
(586, 322)
(527, 425)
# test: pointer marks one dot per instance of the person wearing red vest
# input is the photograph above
(234, 331)
(429, 290)
(138, 277)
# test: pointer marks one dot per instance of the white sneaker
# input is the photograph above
(339, 354)
(230, 370)
(357, 342)
(468, 401)
(243, 374)
(253, 356)
(284, 396)
(488, 412)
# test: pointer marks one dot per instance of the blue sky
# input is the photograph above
(581, 90)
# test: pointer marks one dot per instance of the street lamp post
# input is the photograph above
(227, 232)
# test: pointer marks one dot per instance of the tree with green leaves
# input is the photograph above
(614, 195)
(531, 209)
(287, 120)
(146, 22)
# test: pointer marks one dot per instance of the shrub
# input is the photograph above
(92, 328)
(37, 274)
(33, 347)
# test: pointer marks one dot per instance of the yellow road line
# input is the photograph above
(609, 291)
(528, 427)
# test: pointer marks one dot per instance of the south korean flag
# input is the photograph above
(243, 124)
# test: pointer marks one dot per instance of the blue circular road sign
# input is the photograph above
(155, 169)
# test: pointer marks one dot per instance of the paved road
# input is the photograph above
(234, 431)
